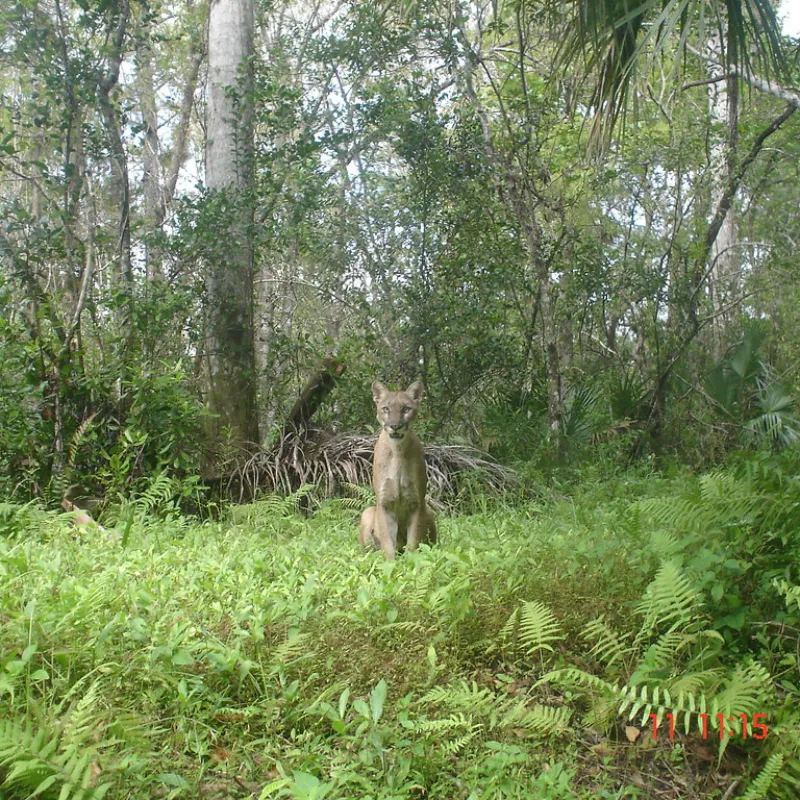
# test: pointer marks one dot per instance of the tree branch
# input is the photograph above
(735, 180)
(790, 96)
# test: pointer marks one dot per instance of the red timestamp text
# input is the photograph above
(740, 725)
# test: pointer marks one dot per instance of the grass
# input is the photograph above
(265, 656)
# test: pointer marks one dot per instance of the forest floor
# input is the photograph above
(265, 656)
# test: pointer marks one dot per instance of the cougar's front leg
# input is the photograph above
(366, 530)
(429, 534)
(386, 531)
(417, 527)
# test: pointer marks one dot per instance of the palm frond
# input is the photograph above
(335, 463)
(615, 39)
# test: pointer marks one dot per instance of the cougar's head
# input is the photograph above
(396, 410)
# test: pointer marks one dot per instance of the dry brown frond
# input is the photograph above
(333, 462)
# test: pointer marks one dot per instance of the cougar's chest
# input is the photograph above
(397, 485)
(396, 477)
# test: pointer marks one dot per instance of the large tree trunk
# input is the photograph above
(230, 361)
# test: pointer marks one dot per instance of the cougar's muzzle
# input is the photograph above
(396, 431)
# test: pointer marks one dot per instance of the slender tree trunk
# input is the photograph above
(723, 258)
(152, 181)
(519, 196)
(230, 350)
(181, 133)
(120, 184)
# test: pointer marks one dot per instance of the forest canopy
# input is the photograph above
(574, 221)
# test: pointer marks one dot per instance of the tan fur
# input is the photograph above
(400, 517)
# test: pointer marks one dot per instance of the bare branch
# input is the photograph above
(790, 96)
(726, 201)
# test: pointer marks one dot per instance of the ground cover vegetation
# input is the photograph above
(575, 222)
(260, 655)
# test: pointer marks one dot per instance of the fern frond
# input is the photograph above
(75, 443)
(510, 631)
(664, 652)
(669, 599)
(160, 490)
(723, 500)
(406, 626)
(577, 677)
(694, 683)
(416, 597)
(538, 627)
(294, 648)
(759, 787)
(609, 646)
(456, 722)
(747, 690)
(462, 695)
(362, 496)
(538, 719)
(665, 544)
(34, 761)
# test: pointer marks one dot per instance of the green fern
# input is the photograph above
(538, 627)
(610, 647)
(665, 681)
(472, 708)
(160, 490)
(462, 695)
(274, 507)
(669, 599)
(295, 648)
(665, 545)
(361, 497)
(35, 760)
(538, 719)
(746, 691)
(759, 787)
(416, 596)
(460, 724)
(60, 483)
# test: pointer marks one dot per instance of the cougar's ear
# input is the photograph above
(416, 390)
(378, 391)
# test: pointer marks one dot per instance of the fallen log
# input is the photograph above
(317, 388)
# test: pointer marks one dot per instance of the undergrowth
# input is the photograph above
(525, 656)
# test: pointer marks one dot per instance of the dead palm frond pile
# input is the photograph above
(334, 462)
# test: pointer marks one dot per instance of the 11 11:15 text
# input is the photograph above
(749, 730)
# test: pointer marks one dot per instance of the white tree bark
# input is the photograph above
(723, 267)
(230, 358)
(229, 114)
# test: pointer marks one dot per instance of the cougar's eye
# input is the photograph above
(406, 409)
(385, 409)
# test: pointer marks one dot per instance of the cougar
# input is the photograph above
(400, 517)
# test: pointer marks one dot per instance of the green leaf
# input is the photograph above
(182, 658)
(343, 698)
(377, 699)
